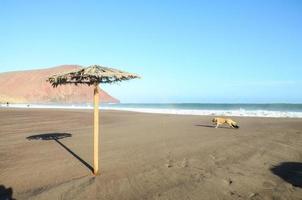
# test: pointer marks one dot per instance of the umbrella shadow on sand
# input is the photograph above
(56, 137)
(290, 172)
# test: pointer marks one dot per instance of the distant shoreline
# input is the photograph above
(235, 110)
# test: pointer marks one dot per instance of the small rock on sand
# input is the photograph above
(228, 181)
(169, 163)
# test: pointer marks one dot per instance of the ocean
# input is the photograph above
(248, 110)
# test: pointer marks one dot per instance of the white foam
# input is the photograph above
(238, 112)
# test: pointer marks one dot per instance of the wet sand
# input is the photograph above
(148, 156)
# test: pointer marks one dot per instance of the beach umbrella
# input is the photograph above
(92, 76)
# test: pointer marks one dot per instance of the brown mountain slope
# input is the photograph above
(31, 87)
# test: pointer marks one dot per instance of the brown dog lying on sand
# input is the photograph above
(218, 121)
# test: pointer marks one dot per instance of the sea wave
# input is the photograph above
(175, 111)
(238, 113)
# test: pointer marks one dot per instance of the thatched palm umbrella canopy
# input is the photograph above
(92, 75)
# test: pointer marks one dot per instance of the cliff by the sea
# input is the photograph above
(31, 87)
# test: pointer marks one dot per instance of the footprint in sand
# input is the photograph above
(199, 174)
(184, 163)
(254, 196)
(268, 184)
(235, 195)
(169, 161)
(198, 177)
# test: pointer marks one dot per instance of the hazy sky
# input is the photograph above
(186, 51)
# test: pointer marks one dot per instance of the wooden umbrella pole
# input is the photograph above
(96, 132)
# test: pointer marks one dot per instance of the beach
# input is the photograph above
(148, 156)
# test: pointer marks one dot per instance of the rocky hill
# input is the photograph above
(31, 87)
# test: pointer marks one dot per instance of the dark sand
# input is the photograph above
(148, 156)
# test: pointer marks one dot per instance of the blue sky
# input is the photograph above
(186, 51)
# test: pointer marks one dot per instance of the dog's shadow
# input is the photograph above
(212, 126)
